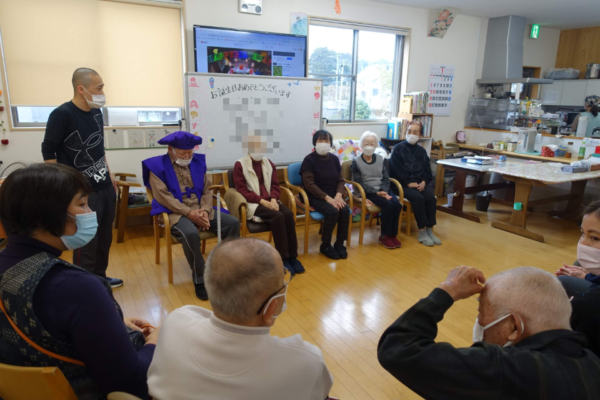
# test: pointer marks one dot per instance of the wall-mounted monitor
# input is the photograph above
(231, 51)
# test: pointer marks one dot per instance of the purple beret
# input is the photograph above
(181, 140)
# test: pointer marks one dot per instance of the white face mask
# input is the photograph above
(412, 139)
(256, 156)
(182, 162)
(98, 100)
(588, 257)
(322, 148)
(283, 308)
(478, 329)
(369, 150)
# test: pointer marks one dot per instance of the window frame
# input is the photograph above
(105, 118)
(397, 64)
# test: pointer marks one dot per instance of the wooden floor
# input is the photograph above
(344, 307)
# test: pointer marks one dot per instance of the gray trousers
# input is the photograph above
(187, 233)
(94, 255)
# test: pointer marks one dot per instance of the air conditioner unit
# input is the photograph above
(251, 6)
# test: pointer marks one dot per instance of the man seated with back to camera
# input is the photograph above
(228, 353)
(523, 348)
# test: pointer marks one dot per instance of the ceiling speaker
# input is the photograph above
(251, 6)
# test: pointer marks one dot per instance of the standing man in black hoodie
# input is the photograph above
(75, 137)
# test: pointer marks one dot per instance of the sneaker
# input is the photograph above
(329, 252)
(387, 242)
(114, 282)
(201, 291)
(341, 249)
(396, 242)
(297, 265)
(289, 267)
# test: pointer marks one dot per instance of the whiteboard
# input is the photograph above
(228, 111)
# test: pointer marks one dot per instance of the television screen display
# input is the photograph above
(228, 51)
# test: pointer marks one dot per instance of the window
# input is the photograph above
(32, 116)
(133, 116)
(360, 68)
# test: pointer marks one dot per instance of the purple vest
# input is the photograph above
(162, 167)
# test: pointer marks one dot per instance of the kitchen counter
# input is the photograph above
(513, 154)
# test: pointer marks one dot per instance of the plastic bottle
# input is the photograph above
(582, 151)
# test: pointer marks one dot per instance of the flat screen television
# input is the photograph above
(231, 51)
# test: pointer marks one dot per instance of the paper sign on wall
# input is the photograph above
(441, 82)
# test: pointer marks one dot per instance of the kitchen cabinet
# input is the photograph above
(569, 92)
(573, 93)
(593, 87)
(551, 94)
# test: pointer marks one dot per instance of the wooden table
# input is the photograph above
(525, 177)
(462, 169)
(513, 154)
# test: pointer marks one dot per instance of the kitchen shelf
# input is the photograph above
(486, 129)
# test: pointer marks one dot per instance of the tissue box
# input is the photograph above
(561, 151)
(547, 152)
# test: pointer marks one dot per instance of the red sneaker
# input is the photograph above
(397, 242)
(387, 242)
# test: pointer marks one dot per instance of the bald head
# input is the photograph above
(534, 294)
(240, 274)
(85, 77)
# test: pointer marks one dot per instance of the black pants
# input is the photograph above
(333, 216)
(574, 285)
(424, 206)
(94, 255)
(283, 227)
(187, 233)
(390, 213)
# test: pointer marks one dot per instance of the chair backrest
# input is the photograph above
(230, 182)
(386, 164)
(346, 172)
(121, 396)
(149, 194)
(294, 176)
(25, 383)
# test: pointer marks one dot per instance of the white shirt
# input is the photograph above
(199, 356)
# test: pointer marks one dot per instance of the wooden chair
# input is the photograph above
(165, 229)
(293, 181)
(365, 209)
(122, 396)
(249, 226)
(27, 383)
(124, 209)
(438, 153)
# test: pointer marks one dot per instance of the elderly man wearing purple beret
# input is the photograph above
(180, 188)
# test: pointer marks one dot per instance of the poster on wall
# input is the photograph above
(442, 22)
(298, 24)
(441, 82)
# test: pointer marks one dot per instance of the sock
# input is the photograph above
(434, 238)
(425, 239)
(339, 242)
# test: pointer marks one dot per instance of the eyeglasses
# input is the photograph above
(287, 278)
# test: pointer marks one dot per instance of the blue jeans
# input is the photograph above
(390, 213)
